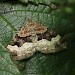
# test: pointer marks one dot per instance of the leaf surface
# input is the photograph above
(7, 67)
(14, 16)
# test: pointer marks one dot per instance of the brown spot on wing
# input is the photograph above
(30, 28)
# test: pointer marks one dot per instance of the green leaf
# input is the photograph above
(48, 2)
(7, 67)
(13, 16)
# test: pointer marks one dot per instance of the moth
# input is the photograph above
(34, 37)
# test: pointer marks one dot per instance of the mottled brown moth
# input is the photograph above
(34, 37)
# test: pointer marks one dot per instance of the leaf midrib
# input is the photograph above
(8, 23)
